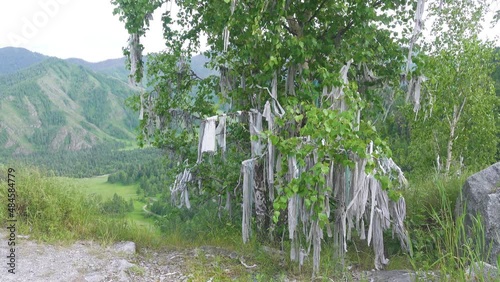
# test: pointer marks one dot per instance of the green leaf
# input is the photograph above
(276, 216)
(307, 202)
(274, 139)
(323, 219)
(385, 182)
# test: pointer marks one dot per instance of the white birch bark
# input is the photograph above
(453, 125)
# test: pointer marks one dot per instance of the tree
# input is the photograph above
(305, 77)
(458, 124)
(117, 205)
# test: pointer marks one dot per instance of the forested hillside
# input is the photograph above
(53, 104)
(114, 68)
(57, 105)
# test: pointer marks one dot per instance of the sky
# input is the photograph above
(83, 29)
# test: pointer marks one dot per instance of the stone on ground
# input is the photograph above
(481, 195)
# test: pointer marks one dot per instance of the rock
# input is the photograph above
(126, 247)
(398, 276)
(482, 271)
(94, 277)
(123, 264)
(481, 194)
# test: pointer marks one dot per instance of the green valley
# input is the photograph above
(100, 187)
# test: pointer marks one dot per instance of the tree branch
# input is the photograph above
(342, 31)
(350, 24)
(461, 108)
(315, 13)
(194, 75)
(289, 30)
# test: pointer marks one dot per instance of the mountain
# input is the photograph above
(57, 105)
(116, 67)
(13, 59)
(112, 67)
(99, 66)
(198, 66)
(49, 104)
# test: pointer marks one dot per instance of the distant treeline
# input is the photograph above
(152, 176)
(99, 160)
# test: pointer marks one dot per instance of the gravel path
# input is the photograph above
(88, 261)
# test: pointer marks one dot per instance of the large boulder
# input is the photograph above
(481, 194)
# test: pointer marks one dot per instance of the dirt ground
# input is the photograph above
(86, 261)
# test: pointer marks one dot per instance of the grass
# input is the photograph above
(441, 240)
(98, 185)
(55, 210)
(60, 209)
(129, 145)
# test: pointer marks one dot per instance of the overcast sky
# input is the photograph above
(83, 29)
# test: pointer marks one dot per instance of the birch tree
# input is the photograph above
(297, 81)
(458, 122)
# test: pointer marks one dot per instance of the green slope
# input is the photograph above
(56, 105)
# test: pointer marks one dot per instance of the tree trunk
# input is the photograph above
(449, 148)
(260, 202)
(453, 125)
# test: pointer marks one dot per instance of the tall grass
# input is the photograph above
(441, 239)
(51, 210)
(199, 225)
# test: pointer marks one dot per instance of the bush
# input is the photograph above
(117, 205)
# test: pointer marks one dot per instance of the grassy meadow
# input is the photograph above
(100, 186)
